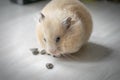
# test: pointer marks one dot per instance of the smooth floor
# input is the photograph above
(98, 60)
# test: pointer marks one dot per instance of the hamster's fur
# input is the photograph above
(65, 25)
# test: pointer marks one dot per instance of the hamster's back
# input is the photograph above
(60, 9)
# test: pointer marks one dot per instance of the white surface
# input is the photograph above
(99, 60)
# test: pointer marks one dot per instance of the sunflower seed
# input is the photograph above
(43, 52)
(49, 65)
(34, 51)
(54, 56)
(48, 54)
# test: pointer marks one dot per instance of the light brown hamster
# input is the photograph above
(64, 26)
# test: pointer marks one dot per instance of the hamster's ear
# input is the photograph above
(41, 17)
(67, 22)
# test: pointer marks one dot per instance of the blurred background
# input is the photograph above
(31, 1)
(100, 61)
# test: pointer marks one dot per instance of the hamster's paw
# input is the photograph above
(57, 56)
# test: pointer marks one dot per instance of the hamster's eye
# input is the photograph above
(57, 39)
(44, 39)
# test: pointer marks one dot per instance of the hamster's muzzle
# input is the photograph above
(54, 51)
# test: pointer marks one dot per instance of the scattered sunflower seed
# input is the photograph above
(34, 51)
(48, 54)
(49, 65)
(43, 52)
(54, 56)
(57, 56)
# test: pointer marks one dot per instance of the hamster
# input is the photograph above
(64, 26)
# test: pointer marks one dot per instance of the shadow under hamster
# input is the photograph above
(90, 52)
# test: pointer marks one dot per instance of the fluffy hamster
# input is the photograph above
(64, 26)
